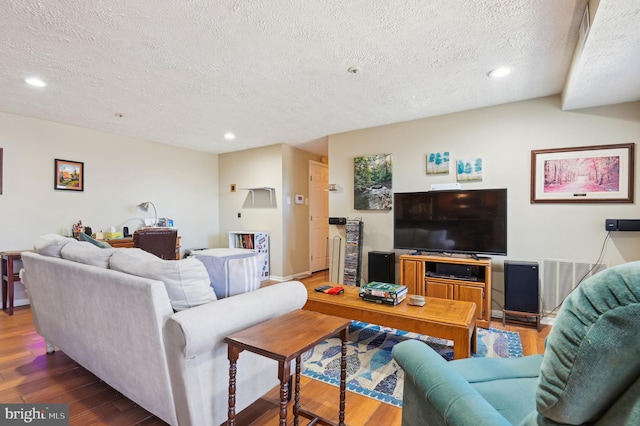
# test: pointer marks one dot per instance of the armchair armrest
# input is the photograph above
(435, 394)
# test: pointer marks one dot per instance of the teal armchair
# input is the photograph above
(589, 373)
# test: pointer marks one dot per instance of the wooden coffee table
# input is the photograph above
(443, 318)
(283, 339)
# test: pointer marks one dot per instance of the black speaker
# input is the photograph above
(521, 286)
(622, 224)
(382, 266)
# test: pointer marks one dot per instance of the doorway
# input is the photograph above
(318, 216)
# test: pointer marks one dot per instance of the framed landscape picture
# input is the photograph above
(68, 175)
(586, 174)
(372, 182)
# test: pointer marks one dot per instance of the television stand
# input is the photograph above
(420, 273)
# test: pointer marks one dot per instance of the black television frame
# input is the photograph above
(439, 244)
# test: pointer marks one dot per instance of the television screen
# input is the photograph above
(460, 221)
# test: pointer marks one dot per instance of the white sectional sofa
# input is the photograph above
(123, 328)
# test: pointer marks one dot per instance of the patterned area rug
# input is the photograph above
(371, 371)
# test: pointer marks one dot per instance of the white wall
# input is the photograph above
(284, 168)
(253, 168)
(120, 172)
(504, 137)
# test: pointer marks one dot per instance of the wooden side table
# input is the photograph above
(283, 339)
(9, 277)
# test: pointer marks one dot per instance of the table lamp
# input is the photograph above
(144, 207)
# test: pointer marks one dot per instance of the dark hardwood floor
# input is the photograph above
(28, 375)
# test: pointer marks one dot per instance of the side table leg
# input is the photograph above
(8, 283)
(344, 335)
(284, 373)
(5, 284)
(233, 355)
(296, 405)
(10, 286)
(4, 294)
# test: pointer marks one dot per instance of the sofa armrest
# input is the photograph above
(435, 394)
(197, 330)
(197, 354)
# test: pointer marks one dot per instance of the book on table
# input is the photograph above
(387, 293)
(393, 301)
(380, 289)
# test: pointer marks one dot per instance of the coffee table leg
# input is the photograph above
(344, 335)
(474, 340)
(233, 354)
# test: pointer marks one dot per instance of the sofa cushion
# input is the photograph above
(592, 350)
(134, 255)
(87, 253)
(51, 244)
(186, 280)
(84, 237)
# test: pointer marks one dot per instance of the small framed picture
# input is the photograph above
(68, 175)
(469, 170)
(438, 163)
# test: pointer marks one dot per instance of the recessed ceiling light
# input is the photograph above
(229, 136)
(34, 81)
(500, 72)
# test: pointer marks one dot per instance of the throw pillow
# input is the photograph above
(102, 244)
(87, 253)
(51, 244)
(186, 280)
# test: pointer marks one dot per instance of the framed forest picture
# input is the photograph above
(586, 174)
(372, 182)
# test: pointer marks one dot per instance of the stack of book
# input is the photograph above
(386, 293)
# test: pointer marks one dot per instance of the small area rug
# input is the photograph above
(371, 370)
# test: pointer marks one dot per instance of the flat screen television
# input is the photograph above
(460, 221)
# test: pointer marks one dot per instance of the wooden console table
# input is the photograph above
(9, 277)
(283, 339)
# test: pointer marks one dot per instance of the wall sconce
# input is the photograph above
(144, 207)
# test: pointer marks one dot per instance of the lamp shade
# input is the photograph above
(144, 207)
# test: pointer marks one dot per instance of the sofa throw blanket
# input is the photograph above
(231, 271)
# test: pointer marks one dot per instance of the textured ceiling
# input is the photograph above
(185, 72)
